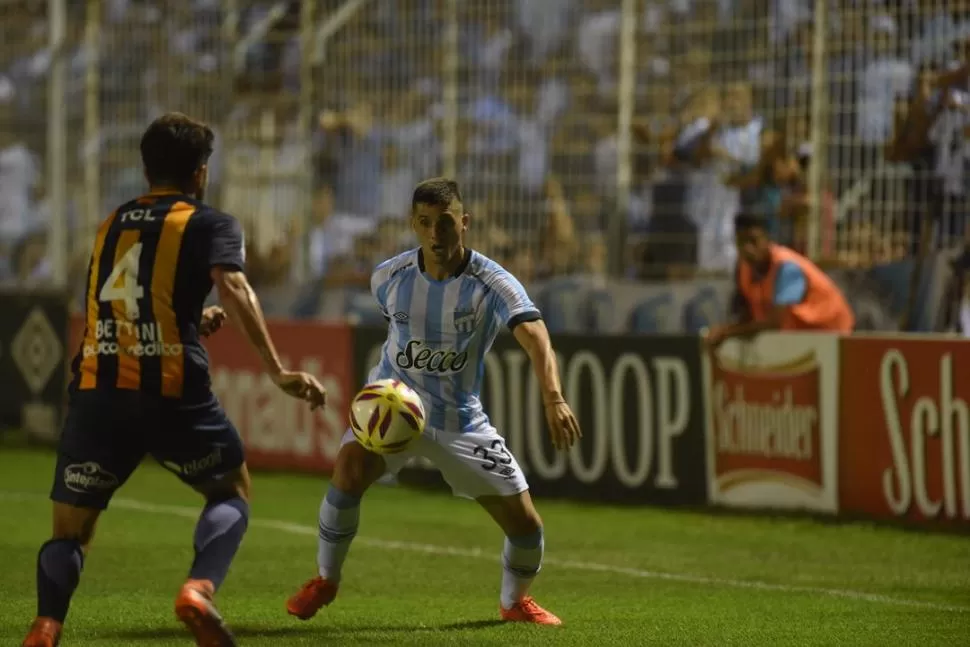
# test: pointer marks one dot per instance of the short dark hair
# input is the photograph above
(174, 147)
(749, 220)
(436, 191)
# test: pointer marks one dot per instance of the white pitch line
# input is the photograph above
(491, 555)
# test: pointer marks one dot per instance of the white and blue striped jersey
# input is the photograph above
(439, 331)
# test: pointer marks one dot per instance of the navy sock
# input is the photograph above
(217, 537)
(59, 565)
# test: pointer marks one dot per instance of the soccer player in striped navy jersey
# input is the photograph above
(445, 304)
(141, 379)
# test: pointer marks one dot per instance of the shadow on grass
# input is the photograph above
(255, 631)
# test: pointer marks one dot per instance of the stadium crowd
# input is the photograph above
(721, 103)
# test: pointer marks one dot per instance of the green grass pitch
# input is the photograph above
(425, 571)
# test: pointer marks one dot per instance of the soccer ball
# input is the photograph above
(386, 416)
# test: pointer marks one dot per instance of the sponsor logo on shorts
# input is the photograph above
(88, 477)
(199, 465)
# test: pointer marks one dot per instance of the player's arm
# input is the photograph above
(515, 309)
(242, 305)
(533, 337)
(226, 262)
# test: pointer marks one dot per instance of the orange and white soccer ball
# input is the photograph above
(386, 416)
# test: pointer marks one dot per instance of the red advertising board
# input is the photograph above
(281, 432)
(769, 423)
(772, 405)
(904, 429)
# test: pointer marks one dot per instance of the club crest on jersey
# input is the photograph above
(416, 355)
(464, 321)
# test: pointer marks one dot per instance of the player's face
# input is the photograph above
(439, 229)
(753, 245)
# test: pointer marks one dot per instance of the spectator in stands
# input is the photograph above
(486, 235)
(520, 261)
(19, 176)
(487, 41)
(332, 232)
(597, 43)
(796, 205)
(928, 135)
(886, 77)
(594, 257)
(31, 262)
(397, 182)
(714, 143)
(350, 138)
(669, 245)
(414, 129)
(558, 241)
(764, 185)
(268, 266)
(938, 25)
(553, 93)
(545, 24)
(777, 188)
(779, 289)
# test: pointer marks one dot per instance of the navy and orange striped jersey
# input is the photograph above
(148, 280)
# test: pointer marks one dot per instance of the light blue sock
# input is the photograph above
(521, 559)
(339, 516)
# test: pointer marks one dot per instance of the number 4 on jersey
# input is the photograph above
(122, 283)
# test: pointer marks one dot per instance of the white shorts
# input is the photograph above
(474, 464)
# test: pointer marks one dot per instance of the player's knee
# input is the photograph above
(74, 524)
(527, 523)
(236, 484)
(356, 469)
(521, 517)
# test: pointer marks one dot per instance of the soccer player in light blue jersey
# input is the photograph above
(445, 304)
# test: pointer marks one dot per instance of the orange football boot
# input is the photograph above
(526, 610)
(316, 593)
(45, 632)
(194, 607)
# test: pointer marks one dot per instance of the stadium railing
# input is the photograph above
(566, 122)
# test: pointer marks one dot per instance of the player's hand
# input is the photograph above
(715, 336)
(213, 318)
(563, 426)
(303, 386)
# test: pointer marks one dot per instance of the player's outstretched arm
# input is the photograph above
(243, 307)
(534, 339)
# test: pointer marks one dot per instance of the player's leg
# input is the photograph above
(478, 465)
(521, 555)
(221, 525)
(200, 445)
(96, 455)
(355, 470)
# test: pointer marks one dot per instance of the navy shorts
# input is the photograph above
(106, 435)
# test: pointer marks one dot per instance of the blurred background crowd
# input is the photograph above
(598, 138)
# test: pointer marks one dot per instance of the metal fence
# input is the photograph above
(592, 136)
